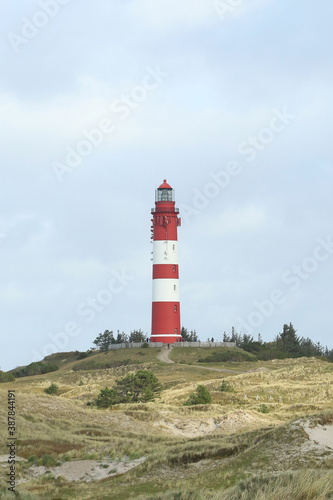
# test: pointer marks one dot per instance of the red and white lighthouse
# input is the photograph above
(166, 305)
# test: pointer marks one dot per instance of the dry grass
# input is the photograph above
(40, 447)
(200, 451)
(311, 485)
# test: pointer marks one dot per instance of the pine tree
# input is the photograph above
(121, 337)
(200, 397)
(189, 337)
(137, 336)
(194, 336)
(104, 340)
(288, 341)
(141, 386)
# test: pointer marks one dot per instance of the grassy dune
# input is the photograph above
(248, 444)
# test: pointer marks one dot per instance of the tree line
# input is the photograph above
(286, 344)
(104, 340)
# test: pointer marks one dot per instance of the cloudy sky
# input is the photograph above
(229, 100)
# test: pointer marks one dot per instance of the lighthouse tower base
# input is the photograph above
(166, 340)
(166, 322)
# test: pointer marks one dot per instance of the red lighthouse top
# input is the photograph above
(165, 214)
(164, 193)
(165, 185)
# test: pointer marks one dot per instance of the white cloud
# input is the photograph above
(235, 220)
(169, 14)
(60, 117)
(237, 8)
(166, 14)
(62, 239)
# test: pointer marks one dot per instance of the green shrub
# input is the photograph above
(49, 367)
(264, 408)
(99, 364)
(6, 377)
(29, 418)
(36, 368)
(226, 386)
(141, 386)
(47, 461)
(200, 397)
(230, 354)
(52, 389)
(107, 397)
(82, 355)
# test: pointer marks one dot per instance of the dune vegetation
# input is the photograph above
(265, 432)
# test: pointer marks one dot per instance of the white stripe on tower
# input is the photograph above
(165, 252)
(165, 290)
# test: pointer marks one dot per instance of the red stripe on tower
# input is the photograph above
(166, 306)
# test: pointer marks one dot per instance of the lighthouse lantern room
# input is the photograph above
(166, 305)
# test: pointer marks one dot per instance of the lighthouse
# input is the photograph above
(166, 305)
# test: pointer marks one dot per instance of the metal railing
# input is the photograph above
(159, 211)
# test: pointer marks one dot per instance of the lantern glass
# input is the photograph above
(165, 195)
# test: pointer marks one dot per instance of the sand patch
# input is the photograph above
(321, 435)
(194, 427)
(86, 470)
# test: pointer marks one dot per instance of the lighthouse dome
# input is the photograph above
(165, 185)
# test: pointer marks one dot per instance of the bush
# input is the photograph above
(226, 387)
(36, 368)
(107, 397)
(6, 377)
(82, 355)
(52, 389)
(47, 461)
(49, 367)
(200, 397)
(141, 386)
(264, 408)
(97, 363)
(228, 355)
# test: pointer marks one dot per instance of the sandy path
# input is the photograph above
(164, 355)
